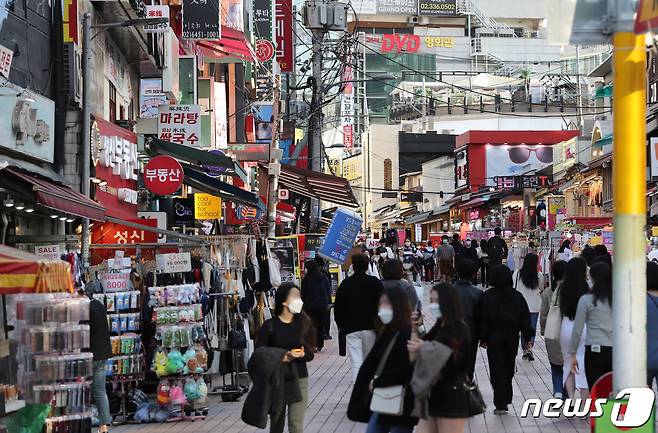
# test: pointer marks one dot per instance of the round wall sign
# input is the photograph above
(163, 175)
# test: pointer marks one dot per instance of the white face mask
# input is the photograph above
(445, 241)
(407, 266)
(385, 315)
(435, 310)
(295, 306)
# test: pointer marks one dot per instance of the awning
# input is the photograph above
(29, 167)
(591, 222)
(205, 183)
(23, 272)
(233, 47)
(58, 197)
(420, 217)
(473, 203)
(332, 189)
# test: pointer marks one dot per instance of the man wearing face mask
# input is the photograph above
(470, 297)
(446, 255)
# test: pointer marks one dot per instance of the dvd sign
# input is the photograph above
(400, 43)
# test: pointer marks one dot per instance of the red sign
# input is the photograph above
(110, 233)
(163, 175)
(284, 39)
(400, 43)
(264, 50)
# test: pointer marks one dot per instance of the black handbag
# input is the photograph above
(474, 398)
(237, 338)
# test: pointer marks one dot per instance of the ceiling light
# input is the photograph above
(9, 202)
(20, 206)
(53, 216)
(102, 183)
(62, 218)
(69, 220)
(95, 180)
(29, 210)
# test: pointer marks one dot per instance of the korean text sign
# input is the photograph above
(284, 38)
(340, 237)
(174, 262)
(201, 20)
(163, 175)
(180, 124)
(207, 207)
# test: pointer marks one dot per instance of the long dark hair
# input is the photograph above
(573, 286)
(399, 301)
(281, 295)
(602, 276)
(557, 272)
(565, 244)
(452, 314)
(528, 271)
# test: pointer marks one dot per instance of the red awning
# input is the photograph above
(592, 222)
(59, 197)
(232, 44)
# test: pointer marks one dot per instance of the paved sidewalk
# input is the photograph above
(330, 387)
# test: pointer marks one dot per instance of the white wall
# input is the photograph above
(498, 123)
(379, 144)
(513, 8)
(521, 49)
(437, 175)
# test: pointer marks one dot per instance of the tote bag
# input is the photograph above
(553, 319)
(387, 400)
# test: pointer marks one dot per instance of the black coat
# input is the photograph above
(504, 311)
(357, 301)
(471, 298)
(99, 332)
(397, 371)
(316, 292)
(274, 385)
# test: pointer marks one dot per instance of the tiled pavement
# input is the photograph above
(330, 386)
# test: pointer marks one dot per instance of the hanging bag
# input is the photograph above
(553, 319)
(274, 268)
(474, 398)
(387, 400)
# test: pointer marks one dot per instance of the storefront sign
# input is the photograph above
(116, 281)
(6, 56)
(70, 20)
(519, 182)
(513, 160)
(182, 212)
(284, 35)
(51, 252)
(201, 20)
(397, 7)
(163, 175)
(372, 243)
(262, 18)
(284, 194)
(207, 207)
(151, 97)
(161, 218)
(557, 209)
(437, 8)
(110, 233)
(409, 44)
(173, 263)
(157, 11)
(347, 110)
(461, 167)
(180, 124)
(418, 232)
(351, 168)
(340, 236)
(114, 155)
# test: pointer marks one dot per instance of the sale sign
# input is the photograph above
(180, 124)
(173, 263)
(163, 175)
(207, 207)
(51, 252)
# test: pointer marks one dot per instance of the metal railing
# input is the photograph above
(468, 7)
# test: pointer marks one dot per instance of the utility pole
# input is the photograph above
(629, 199)
(85, 134)
(315, 144)
(274, 166)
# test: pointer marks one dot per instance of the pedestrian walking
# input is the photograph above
(530, 283)
(483, 257)
(564, 252)
(429, 261)
(504, 314)
(652, 323)
(101, 347)
(393, 276)
(387, 366)
(447, 402)
(573, 287)
(594, 311)
(549, 298)
(322, 264)
(446, 255)
(355, 311)
(458, 246)
(470, 297)
(471, 253)
(497, 248)
(316, 295)
(290, 329)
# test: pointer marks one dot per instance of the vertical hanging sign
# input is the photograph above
(201, 20)
(347, 110)
(265, 50)
(284, 40)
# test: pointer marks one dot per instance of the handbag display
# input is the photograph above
(274, 268)
(553, 320)
(474, 398)
(387, 400)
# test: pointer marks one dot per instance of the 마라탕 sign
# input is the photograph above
(180, 124)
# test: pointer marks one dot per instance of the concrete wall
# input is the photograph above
(521, 49)
(460, 124)
(513, 8)
(437, 175)
(379, 144)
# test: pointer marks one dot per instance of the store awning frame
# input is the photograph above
(205, 183)
(232, 47)
(58, 197)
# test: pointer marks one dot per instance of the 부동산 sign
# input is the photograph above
(340, 236)
(201, 20)
(437, 7)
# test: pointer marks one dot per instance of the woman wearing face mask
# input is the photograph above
(290, 329)
(396, 369)
(471, 253)
(447, 402)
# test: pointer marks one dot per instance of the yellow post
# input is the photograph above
(629, 199)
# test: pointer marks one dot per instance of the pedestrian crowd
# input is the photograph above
(416, 373)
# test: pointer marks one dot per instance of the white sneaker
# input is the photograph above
(558, 395)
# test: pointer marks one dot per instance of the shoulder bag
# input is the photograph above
(553, 319)
(387, 400)
(474, 398)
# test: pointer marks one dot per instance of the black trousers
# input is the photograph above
(501, 352)
(327, 323)
(597, 364)
(472, 358)
(317, 318)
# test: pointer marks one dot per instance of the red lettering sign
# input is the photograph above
(163, 175)
(283, 35)
(400, 43)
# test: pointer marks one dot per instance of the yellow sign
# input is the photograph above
(207, 207)
(352, 167)
(647, 16)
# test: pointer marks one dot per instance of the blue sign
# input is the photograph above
(340, 237)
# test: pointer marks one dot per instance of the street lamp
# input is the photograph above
(85, 155)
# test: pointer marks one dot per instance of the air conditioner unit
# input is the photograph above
(412, 20)
(73, 74)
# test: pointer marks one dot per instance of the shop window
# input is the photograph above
(388, 174)
(131, 110)
(113, 103)
(122, 112)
